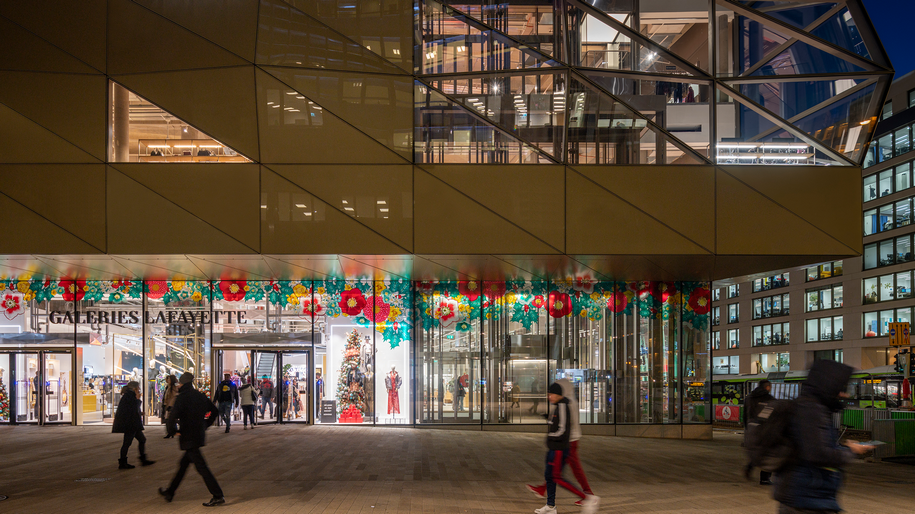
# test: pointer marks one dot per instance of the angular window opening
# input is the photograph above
(140, 131)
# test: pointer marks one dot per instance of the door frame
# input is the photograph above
(41, 396)
(309, 397)
(280, 353)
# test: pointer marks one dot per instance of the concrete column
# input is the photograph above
(121, 124)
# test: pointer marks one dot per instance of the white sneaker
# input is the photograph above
(589, 504)
(546, 509)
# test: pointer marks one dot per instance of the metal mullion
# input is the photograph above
(804, 78)
(800, 35)
(637, 75)
(791, 129)
(782, 47)
(871, 41)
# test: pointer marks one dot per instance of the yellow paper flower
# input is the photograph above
(28, 296)
(23, 286)
(583, 313)
(608, 294)
(300, 290)
(379, 287)
(381, 327)
(2, 286)
(292, 299)
(86, 287)
(196, 296)
(393, 314)
(347, 287)
(464, 308)
(247, 288)
(510, 298)
(178, 285)
(321, 290)
(595, 296)
(54, 292)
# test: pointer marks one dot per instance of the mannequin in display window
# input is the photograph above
(392, 382)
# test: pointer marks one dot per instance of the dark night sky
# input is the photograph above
(894, 22)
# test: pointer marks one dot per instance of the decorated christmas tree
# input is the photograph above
(350, 392)
(4, 400)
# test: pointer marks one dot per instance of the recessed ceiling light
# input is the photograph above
(381, 202)
(384, 210)
(263, 206)
(345, 202)
(300, 205)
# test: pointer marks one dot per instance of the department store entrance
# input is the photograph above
(281, 374)
(40, 386)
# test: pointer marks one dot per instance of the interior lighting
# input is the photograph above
(185, 129)
(210, 146)
(345, 202)
(865, 122)
(300, 205)
(185, 146)
(381, 202)
(307, 213)
(739, 145)
(294, 110)
(784, 147)
(263, 206)
(157, 146)
(275, 106)
(348, 208)
(300, 97)
(383, 210)
(269, 103)
(291, 93)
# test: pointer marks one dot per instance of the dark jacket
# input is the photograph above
(560, 426)
(190, 412)
(813, 480)
(267, 392)
(127, 419)
(227, 392)
(759, 395)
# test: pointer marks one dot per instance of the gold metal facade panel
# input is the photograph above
(450, 222)
(132, 229)
(77, 27)
(526, 196)
(230, 24)
(71, 106)
(220, 102)
(379, 197)
(21, 50)
(35, 234)
(71, 196)
(22, 140)
(599, 222)
(224, 195)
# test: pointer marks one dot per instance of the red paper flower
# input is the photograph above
(352, 302)
(470, 289)
(447, 312)
(617, 302)
(494, 290)
(233, 290)
(583, 285)
(156, 289)
(313, 308)
(640, 288)
(559, 304)
(700, 300)
(663, 290)
(538, 301)
(73, 289)
(378, 311)
(12, 306)
(426, 286)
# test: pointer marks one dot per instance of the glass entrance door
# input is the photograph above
(57, 387)
(266, 366)
(37, 387)
(295, 390)
(25, 382)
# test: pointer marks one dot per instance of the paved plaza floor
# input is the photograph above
(334, 469)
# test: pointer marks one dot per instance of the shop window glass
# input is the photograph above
(902, 141)
(904, 285)
(870, 256)
(885, 218)
(870, 224)
(903, 175)
(903, 248)
(141, 131)
(870, 188)
(903, 212)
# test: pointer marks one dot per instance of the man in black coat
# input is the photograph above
(195, 413)
(760, 395)
(127, 421)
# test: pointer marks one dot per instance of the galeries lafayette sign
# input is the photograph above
(158, 316)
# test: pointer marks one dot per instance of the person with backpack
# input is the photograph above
(758, 399)
(809, 481)
(557, 443)
(226, 397)
(248, 398)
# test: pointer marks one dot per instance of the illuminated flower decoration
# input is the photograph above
(663, 290)
(115, 297)
(183, 295)
(197, 296)
(559, 304)
(377, 311)
(233, 290)
(426, 286)
(617, 302)
(313, 307)
(470, 289)
(12, 306)
(178, 285)
(700, 300)
(462, 327)
(74, 290)
(493, 289)
(24, 285)
(539, 301)
(352, 302)
(300, 290)
(583, 285)
(447, 312)
(156, 289)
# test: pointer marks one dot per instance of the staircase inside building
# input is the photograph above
(266, 365)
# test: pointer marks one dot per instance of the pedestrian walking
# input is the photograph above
(759, 396)
(557, 443)
(568, 392)
(127, 421)
(267, 395)
(227, 397)
(810, 482)
(168, 397)
(191, 415)
(248, 398)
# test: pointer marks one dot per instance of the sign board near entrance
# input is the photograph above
(899, 334)
(328, 411)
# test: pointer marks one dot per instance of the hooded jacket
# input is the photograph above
(759, 395)
(560, 426)
(813, 481)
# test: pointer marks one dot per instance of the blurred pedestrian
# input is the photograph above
(168, 396)
(754, 405)
(127, 421)
(227, 397)
(192, 414)
(810, 483)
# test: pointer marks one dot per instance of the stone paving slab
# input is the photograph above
(332, 469)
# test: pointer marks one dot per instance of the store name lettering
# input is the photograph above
(133, 317)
